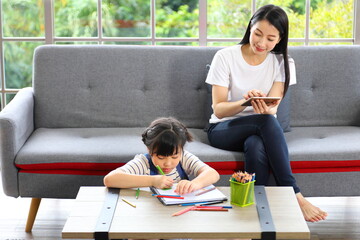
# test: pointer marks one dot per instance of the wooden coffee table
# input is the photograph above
(100, 213)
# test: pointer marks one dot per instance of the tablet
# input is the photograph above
(266, 99)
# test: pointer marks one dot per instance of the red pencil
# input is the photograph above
(210, 209)
(183, 211)
(166, 196)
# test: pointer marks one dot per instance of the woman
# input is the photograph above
(257, 67)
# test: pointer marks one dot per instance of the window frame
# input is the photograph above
(202, 39)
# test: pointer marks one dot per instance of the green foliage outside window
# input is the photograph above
(228, 18)
(74, 18)
(23, 18)
(126, 18)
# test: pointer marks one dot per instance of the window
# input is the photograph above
(26, 24)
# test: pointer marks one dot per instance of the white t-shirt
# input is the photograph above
(229, 69)
(140, 166)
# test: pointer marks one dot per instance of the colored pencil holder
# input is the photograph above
(242, 194)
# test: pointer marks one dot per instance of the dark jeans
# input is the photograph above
(262, 140)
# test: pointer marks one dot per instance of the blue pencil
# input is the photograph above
(211, 203)
(202, 203)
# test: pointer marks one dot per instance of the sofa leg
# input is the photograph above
(34, 206)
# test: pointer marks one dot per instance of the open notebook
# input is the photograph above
(207, 197)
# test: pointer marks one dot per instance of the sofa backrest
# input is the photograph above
(120, 86)
(327, 92)
(129, 86)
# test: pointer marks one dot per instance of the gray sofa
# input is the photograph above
(89, 105)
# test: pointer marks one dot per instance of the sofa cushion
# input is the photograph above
(283, 112)
(327, 92)
(96, 151)
(119, 86)
(324, 149)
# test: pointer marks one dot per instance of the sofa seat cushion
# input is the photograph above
(96, 151)
(324, 149)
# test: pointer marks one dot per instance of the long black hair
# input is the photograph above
(277, 17)
(166, 136)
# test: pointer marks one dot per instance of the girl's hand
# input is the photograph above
(260, 107)
(186, 186)
(162, 182)
(254, 93)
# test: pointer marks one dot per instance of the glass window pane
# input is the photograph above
(228, 18)
(74, 18)
(329, 43)
(178, 43)
(23, 18)
(76, 43)
(127, 43)
(18, 63)
(177, 19)
(332, 19)
(296, 44)
(296, 15)
(9, 97)
(126, 18)
(221, 44)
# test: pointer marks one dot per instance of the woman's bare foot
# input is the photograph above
(310, 212)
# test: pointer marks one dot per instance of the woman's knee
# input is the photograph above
(254, 143)
(270, 121)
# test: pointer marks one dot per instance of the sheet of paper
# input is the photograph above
(213, 195)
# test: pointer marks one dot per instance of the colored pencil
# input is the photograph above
(182, 211)
(137, 193)
(197, 203)
(211, 203)
(167, 196)
(205, 206)
(211, 209)
(160, 170)
(133, 205)
(205, 191)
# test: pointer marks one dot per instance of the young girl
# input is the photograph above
(165, 139)
(257, 67)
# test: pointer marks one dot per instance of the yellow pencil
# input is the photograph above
(133, 205)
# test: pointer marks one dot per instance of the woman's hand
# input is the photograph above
(160, 181)
(186, 186)
(261, 107)
(254, 93)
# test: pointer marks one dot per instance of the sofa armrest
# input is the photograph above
(16, 125)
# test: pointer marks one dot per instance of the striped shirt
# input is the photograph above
(140, 166)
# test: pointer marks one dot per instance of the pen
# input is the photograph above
(133, 205)
(137, 193)
(205, 191)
